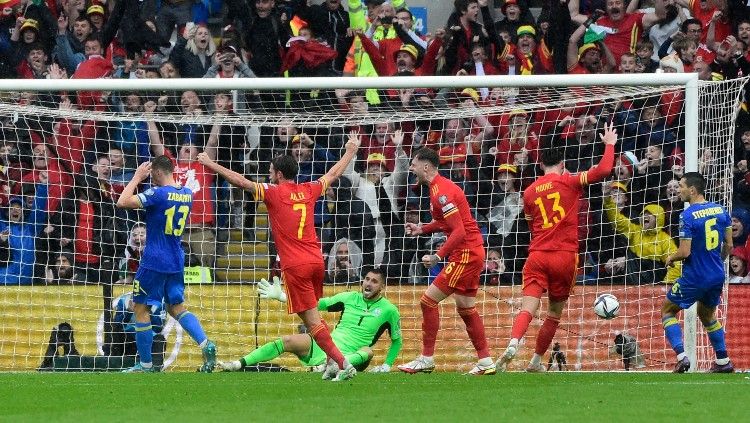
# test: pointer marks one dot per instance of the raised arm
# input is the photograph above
(604, 167)
(575, 12)
(573, 46)
(352, 145)
(649, 19)
(157, 146)
(230, 176)
(128, 199)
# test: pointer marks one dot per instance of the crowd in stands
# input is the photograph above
(60, 178)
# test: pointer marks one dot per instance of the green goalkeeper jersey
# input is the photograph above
(362, 321)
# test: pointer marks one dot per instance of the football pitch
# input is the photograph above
(297, 397)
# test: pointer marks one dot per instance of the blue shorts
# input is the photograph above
(150, 287)
(685, 294)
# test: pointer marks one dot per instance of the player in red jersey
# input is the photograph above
(464, 249)
(551, 207)
(291, 208)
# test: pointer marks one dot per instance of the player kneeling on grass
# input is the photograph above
(365, 315)
(703, 227)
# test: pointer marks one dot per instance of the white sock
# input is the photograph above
(147, 365)
(513, 343)
(487, 361)
(203, 344)
(722, 361)
(680, 356)
(536, 360)
(427, 359)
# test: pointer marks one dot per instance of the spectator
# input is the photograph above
(199, 231)
(464, 30)
(708, 13)
(344, 263)
(628, 63)
(312, 159)
(18, 233)
(516, 14)
(738, 266)
(193, 52)
(171, 15)
(506, 204)
(621, 26)
(740, 225)
(62, 272)
(644, 61)
(649, 244)
(520, 145)
(133, 252)
(380, 142)
(494, 269)
(264, 34)
(229, 64)
(330, 22)
(674, 206)
(380, 191)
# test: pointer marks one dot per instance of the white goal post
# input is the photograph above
(498, 311)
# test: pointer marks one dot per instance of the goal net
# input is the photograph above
(68, 255)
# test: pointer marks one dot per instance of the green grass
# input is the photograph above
(303, 397)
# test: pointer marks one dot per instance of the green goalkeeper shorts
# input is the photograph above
(315, 357)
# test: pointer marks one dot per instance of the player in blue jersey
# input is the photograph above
(705, 242)
(161, 271)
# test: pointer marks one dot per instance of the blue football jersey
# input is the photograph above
(167, 211)
(705, 225)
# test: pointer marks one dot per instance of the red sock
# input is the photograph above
(520, 325)
(430, 324)
(546, 333)
(475, 329)
(322, 337)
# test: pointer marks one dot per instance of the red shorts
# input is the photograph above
(461, 274)
(303, 285)
(553, 271)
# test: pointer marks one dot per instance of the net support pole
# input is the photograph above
(692, 127)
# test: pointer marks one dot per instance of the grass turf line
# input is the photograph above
(436, 397)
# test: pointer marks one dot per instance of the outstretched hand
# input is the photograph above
(609, 137)
(352, 145)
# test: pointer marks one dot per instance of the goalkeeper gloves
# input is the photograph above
(271, 290)
(383, 368)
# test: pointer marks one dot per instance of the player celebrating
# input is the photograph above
(291, 207)
(365, 315)
(551, 206)
(702, 280)
(464, 249)
(161, 271)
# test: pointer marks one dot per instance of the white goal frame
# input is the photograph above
(689, 81)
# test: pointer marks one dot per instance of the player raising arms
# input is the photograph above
(551, 206)
(365, 315)
(464, 249)
(291, 209)
(703, 227)
(161, 271)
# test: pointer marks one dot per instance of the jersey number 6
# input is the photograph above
(712, 235)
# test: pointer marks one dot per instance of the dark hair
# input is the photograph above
(163, 163)
(378, 271)
(82, 18)
(405, 10)
(695, 180)
(36, 46)
(462, 5)
(94, 37)
(691, 21)
(428, 155)
(286, 165)
(552, 156)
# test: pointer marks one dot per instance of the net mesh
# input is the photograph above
(70, 257)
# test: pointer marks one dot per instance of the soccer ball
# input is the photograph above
(606, 306)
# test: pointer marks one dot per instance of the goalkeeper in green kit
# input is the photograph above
(365, 315)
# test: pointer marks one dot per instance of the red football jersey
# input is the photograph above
(447, 200)
(627, 33)
(291, 210)
(551, 205)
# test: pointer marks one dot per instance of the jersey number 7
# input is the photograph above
(558, 213)
(303, 216)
